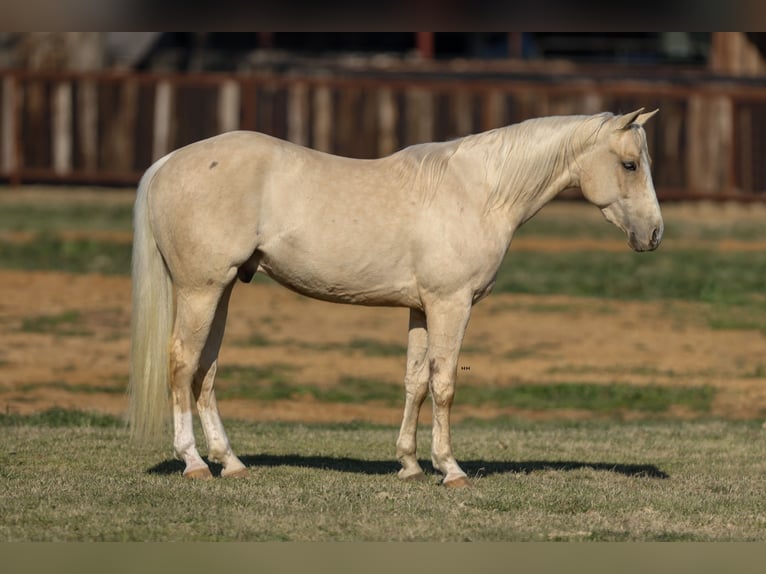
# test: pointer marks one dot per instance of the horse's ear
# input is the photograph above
(624, 121)
(641, 120)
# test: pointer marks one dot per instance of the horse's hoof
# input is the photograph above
(459, 482)
(239, 473)
(417, 477)
(202, 473)
(411, 474)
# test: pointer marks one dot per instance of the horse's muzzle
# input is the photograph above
(650, 245)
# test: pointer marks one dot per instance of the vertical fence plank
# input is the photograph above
(493, 110)
(297, 114)
(119, 121)
(249, 101)
(709, 143)
(346, 127)
(669, 156)
(388, 116)
(463, 113)
(698, 174)
(323, 118)
(163, 98)
(87, 114)
(745, 145)
(420, 116)
(368, 125)
(62, 128)
(8, 121)
(228, 106)
(722, 148)
(591, 103)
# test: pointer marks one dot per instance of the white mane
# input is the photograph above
(521, 159)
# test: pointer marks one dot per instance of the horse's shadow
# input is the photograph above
(474, 468)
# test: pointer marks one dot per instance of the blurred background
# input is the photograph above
(99, 107)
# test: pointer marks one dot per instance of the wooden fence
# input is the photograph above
(707, 142)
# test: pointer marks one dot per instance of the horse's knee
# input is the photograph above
(443, 393)
(416, 387)
(441, 382)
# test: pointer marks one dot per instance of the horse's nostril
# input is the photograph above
(656, 237)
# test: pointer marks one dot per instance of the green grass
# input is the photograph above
(74, 479)
(66, 323)
(51, 252)
(61, 418)
(374, 348)
(740, 316)
(641, 371)
(589, 224)
(693, 275)
(608, 398)
(63, 216)
(273, 382)
(116, 388)
(368, 347)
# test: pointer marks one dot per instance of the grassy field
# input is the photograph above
(73, 478)
(630, 472)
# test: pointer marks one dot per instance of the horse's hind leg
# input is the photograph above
(196, 311)
(416, 389)
(219, 449)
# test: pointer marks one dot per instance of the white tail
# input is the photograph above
(151, 324)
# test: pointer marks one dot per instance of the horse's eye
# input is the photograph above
(629, 165)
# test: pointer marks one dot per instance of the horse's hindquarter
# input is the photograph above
(203, 205)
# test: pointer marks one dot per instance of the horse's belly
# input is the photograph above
(343, 282)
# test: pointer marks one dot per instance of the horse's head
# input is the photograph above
(614, 175)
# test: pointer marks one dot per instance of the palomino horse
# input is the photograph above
(425, 228)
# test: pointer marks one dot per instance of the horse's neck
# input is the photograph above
(531, 165)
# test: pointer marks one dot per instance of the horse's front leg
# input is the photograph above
(416, 389)
(447, 321)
